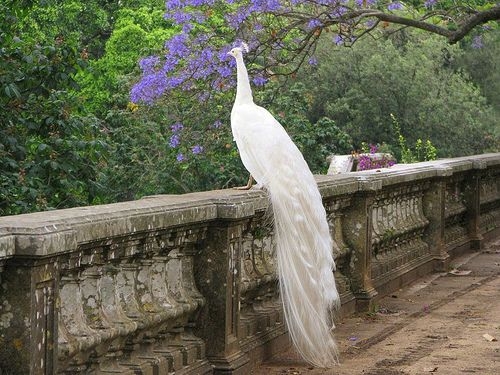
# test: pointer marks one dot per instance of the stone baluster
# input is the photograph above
(358, 233)
(473, 204)
(341, 251)
(433, 208)
(489, 199)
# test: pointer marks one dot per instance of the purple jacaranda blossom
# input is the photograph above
(225, 71)
(173, 4)
(313, 61)
(396, 5)
(217, 124)
(180, 157)
(430, 3)
(170, 63)
(258, 27)
(259, 81)
(338, 39)
(177, 127)
(197, 149)
(179, 17)
(339, 11)
(177, 45)
(236, 19)
(360, 3)
(477, 42)
(265, 5)
(370, 23)
(149, 88)
(314, 23)
(176, 4)
(175, 141)
(149, 64)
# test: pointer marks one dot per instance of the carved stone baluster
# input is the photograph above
(434, 203)
(189, 251)
(113, 314)
(414, 221)
(404, 198)
(379, 259)
(74, 320)
(473, 205)
(377, 231)
(399, 200)
(249, 281)
(169, 311)
(340, 248)
(175, 283)
(126, 281)
(248, 274)
(157, 298)
(392, 219)
(268, 256)
(358, 232)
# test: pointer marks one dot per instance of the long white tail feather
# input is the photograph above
(305, 263)
(303, 243)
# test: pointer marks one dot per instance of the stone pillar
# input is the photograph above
(358, 236)
(28, 318)
(472, 193)
(217, 269)
(434, 203)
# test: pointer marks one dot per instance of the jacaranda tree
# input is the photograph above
(283, 34)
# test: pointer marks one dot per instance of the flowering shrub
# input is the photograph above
(374, 160)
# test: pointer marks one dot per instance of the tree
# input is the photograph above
(49, 155)
(412, 77)
(137, 31)
(284, 34)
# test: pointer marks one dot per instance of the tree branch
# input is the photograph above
(453, 36)
(476, 19)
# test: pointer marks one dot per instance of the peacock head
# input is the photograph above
(238, 51)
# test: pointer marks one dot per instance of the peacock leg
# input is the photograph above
(248, 186)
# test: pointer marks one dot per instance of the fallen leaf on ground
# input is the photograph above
(430, 369)
(460, 272)
(488, 337)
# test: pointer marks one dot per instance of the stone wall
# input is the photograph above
(185, 284)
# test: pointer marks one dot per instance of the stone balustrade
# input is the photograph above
(185, 284)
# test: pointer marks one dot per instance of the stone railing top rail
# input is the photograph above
(51, 232)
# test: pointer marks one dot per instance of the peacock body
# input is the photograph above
(303, 242)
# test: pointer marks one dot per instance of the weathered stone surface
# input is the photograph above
(186, 283)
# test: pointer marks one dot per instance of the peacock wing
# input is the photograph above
(264, 145)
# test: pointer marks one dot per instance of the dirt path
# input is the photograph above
(434, 326)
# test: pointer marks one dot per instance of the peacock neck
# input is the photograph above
(243, 90)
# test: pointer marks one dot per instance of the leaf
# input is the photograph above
(42, 146)
(12, 91)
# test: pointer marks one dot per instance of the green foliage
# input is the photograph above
(411, 76)
(481, 65)
(316, 140)
(137, 32)
(143, 162)
(48, 157)
(70, 137)
(422, 152)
